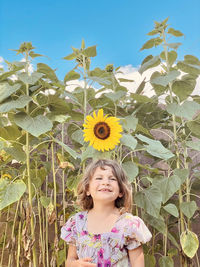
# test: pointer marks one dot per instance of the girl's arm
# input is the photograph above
(136, 257)
(73, 261)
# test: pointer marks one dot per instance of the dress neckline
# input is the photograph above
(105, 233)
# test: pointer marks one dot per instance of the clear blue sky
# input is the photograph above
(117, 27)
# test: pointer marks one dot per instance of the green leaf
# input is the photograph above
(10, 192)
(71, 75)
(116, 96)
(150, 260)
(17, 153)
(10, 133)
(67, 149)
(129, 123)
(194, 127)
(131, 170)
(6, 90)
(78, 136)
(141, 98)
(70, 57)
(35, 126)
(61, 256)
(167, 186)
(59, 118)
(122, 80)
(33, 55)
(150, 200)
(173, 45)
(186, 110)
(129, 141)
(166, 261)
(21, 102)
(194, 145)
(90, 51)
(9, 73)
(155, 148)
(189, 59)
(30, 79)
(38, 176)
(152, 62)
(151, 43)
(183, 174)
(175, 32)
(189, 68)
(172, 56)
(184, 87)
(188, 208)
(45, 201)
(189, 243)
(164, 80)
(49, 72)
(171, 209)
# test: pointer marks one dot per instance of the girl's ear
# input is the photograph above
(120, 195)
(88, 193)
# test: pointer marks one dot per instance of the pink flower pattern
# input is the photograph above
(109, 248)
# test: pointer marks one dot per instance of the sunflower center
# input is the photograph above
(102, 130)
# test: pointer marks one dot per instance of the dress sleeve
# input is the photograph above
(69, 232)
(135, 232)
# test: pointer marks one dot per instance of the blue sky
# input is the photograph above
(117, 27)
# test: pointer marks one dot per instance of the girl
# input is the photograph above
(104, 234)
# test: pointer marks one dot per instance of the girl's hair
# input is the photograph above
(86, 202)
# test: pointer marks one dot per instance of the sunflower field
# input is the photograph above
(49, 133)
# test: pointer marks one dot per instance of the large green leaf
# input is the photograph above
(67, 149)
(175, 32)
(10, 192)
(189, 68)
(189, 243)
(166, 261)
(187, 110)
(78, 136)
(152, 62)
(167, 186)
(150, 260)
(10, 133)
(150, 200)
(71, 75)
(30, 79)
(17, 153)
(131, 170)
(194, 127)
(34, 125)
(115, 96)
(184, 87)
(155, 148)
(49, 72)
(90, 51)
(194, 145)
(188, 208)
(171, 209)
(21, 102)
(129, 141)
(172, 56)
(6, 90)
(129, 123)
(151, 43)
(164, 80)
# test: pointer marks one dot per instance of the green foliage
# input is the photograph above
(43, 150)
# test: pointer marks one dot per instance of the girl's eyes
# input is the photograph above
(100, 178)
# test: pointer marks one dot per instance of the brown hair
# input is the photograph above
(86, 202)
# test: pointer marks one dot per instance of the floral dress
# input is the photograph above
(106, 249)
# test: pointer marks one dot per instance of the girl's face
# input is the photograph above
(103, 186)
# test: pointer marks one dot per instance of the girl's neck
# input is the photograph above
(104, 209)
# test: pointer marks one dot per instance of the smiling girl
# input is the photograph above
(105, 234)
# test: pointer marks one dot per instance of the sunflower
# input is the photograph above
(101, 131)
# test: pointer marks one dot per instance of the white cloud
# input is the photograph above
(129, 72)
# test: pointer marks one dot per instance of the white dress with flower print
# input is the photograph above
(107, 249)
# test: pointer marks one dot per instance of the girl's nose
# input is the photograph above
(105, 181)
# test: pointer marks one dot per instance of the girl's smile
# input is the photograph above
(103, 181)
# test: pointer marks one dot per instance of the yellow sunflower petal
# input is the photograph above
(102, 132)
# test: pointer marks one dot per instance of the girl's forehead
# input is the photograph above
(103, 168)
